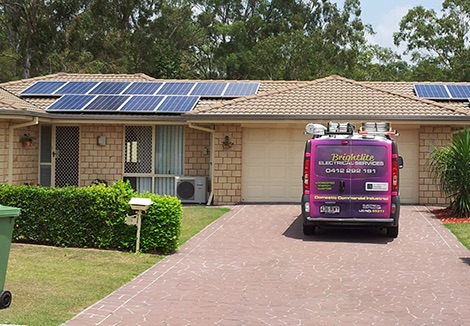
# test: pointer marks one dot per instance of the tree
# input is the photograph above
(450, 166)
(275, 39)
(438, 43)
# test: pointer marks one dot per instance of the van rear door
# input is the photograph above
(351, 177)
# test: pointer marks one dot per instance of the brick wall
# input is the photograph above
(100, 162)
(227, 165)
(430, 137)
(3, 152)
(25, 159)
(197, 152)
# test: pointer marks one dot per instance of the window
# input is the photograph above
(153, 156)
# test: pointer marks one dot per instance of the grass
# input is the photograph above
(50, 285)
(461, 232)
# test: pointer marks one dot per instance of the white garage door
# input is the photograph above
(272, 163)
(408, 148)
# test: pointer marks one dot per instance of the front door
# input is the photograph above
(66, 156)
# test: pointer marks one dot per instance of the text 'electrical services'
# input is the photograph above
(352, 159)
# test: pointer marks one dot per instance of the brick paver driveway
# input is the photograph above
(255, 267)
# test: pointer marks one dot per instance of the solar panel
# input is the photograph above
(241, 89)
(106, 103)
(178, 104)
(432, 91)
(146, 88)
(77, 88)
(209, 89)
(459, 92)
(42, 88)
(70, 103)
(110, 88)
(176, 88)
(142, 103)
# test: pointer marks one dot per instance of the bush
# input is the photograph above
(91, 217)
(450, 166)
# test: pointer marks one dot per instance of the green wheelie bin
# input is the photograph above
(7, 222)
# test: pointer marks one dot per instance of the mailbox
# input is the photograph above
(139, 205)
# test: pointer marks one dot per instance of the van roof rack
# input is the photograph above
(377, 128)
(339, 128)
(347, 128)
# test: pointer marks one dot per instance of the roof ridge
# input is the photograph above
(65, 74)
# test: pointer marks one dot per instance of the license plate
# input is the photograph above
(325, 209)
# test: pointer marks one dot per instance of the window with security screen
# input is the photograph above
(138, 149)
(153, 156)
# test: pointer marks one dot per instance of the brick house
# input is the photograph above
(266, 129)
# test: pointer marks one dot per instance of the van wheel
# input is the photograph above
(309, 229)
(392, 231)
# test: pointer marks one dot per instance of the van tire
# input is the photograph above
(309, 229)
(392, 231)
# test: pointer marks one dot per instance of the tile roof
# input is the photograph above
(407, 88)
(40, 103)
(332, 96)
(10, 102)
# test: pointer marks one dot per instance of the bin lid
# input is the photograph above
(7, 211)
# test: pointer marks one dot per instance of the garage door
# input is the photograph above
(272, 164)
(408, 148)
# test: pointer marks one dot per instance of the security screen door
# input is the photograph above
(66, 156)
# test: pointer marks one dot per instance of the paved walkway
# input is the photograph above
(254, 267)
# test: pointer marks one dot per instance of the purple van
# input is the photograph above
(351, 178)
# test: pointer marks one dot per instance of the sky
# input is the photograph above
(385, 16)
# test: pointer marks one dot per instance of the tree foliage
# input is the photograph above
(438, 44)
(226, 39)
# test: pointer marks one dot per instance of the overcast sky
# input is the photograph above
(385, 16)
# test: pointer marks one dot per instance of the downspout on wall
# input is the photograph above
(211, 171)
(11, 130)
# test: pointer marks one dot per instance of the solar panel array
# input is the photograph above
(124, 103)
(134, 97)
(443, 91)
(202, 89)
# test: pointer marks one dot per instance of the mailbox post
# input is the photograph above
(139, 205)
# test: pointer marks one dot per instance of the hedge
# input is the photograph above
(92, 217)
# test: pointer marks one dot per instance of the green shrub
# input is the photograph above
(450, 166)
(91, 217)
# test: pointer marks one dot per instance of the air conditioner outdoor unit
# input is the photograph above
(191, 189)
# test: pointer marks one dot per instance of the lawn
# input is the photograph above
(50, 285)
(461, 232)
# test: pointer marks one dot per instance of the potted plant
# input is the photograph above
(226, 143)
(26, 140)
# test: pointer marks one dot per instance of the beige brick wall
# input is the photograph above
(430, 137)
(197, 152)
(100, 162)
(3, 152)
(227, 165)
(25, 159)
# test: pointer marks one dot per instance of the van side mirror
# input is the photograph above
(401, 163)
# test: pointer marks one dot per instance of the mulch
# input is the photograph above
(445, 216)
